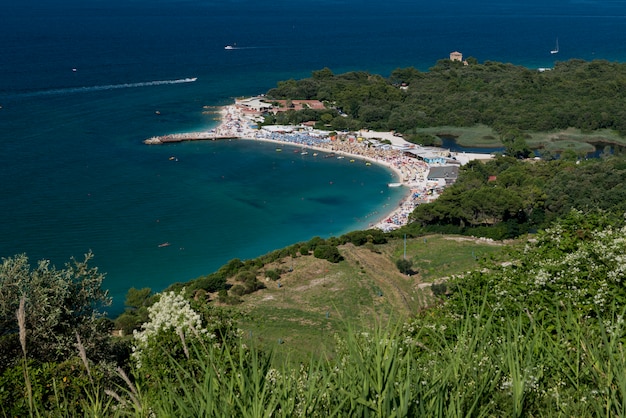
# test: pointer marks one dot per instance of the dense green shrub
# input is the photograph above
(231, 268)
(374, 236)
(211, 283)
(304, 249)
(314, 242)
(238, 290)
(246, 276)
(247, 287)
(226, 298)
(328, 252)
(272, 274)
(404, 266)
(59, 303)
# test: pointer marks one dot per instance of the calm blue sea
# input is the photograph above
(75, 175)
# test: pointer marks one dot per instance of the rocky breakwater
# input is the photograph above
(191, 136)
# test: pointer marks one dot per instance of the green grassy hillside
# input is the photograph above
(301, 313)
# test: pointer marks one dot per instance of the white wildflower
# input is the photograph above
(172, 313)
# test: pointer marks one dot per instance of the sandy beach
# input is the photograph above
(411, 172)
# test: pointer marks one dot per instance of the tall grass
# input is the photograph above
(21, 323)
(468, 369)
(477, 365)
(48, 395)
(236, 381)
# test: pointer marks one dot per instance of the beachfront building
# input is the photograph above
(252, 106)
(258, 105)
(444, 175)
(434, 159)
(430, 155)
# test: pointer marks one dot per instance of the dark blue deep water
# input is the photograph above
(75, 175)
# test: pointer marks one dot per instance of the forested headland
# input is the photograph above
(512, 100)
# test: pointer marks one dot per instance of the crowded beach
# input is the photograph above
(423, 171)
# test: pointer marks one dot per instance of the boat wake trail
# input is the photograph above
(74, 90)
(234, 47)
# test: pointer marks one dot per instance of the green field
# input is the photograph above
(482, 136)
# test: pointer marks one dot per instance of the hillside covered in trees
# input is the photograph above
(506, 97)
(506, 197)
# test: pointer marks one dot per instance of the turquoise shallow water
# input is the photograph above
(75, 176)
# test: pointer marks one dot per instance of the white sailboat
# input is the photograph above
(556, 48)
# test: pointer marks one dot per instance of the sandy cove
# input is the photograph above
(411, 172)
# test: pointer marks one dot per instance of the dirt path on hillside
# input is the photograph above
(383, 272)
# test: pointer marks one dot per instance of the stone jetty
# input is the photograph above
(182, 137)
